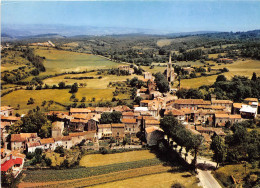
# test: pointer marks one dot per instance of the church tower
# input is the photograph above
(170, 71)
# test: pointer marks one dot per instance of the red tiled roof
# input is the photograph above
(128, 120)
(237, 105)
(189, 101)
(33, 144)
(222, 101)
(8, 164)
(152, 122)
(104, 126)
(128, 114)
(221, 115)
(79, 110)
(251, 99)
(47, 140)
(10, 118)
(113, 125)
(22, 137)
(174, 112)
(78, 121)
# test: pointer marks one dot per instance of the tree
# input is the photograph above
(161, 82)
(62, 85)
(219, 148)
(30, 101)
(169, 125)
(254, 77)
(74, 88)
(83, 99)
(33, 122)
(221, 78)
(134, 82)
(197, 141)
(110, 117)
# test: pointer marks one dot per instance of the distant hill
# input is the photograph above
(47, 36)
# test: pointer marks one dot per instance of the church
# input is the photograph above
(170, 75)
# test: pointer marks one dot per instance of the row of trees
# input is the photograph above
(183, 137)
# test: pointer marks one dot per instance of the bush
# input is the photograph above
(177, 185)
(103, 150)
(59, 149)
(30, 155)
(48, 161)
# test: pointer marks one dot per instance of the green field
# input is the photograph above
(91, 83)
(162, 180)
(100, 160)
(58, 95)
(12, 60)
(58, 61)
(239, 67)
(136, 168)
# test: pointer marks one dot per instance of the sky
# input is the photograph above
(172, 16)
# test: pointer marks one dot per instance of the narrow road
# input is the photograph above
(207, 180)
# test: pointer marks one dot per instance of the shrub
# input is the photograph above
(103, 150)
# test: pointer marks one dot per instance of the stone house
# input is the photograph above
(18, 141)
(79, 111)
(118, 130)
(57, 129)
(178, 114)
(130, 126)
(226, 103)
(153, 134)
(191, 104)
(6, 111)
(104, 131)
(48, 143)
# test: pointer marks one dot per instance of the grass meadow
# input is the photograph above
(58, 61)
(57, 95)
(239, 67)
(165, 179)
(91, 83)
(99, 159)
(135, 168)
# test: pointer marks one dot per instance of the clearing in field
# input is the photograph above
(100, 160)
(58, 61)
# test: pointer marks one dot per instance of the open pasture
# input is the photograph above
(62, 96)
(58, 61)
(239, 67)
(100, 160)
(95, 83)
(166, 179)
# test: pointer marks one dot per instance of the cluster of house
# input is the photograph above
(126, 68)
(199, 116)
